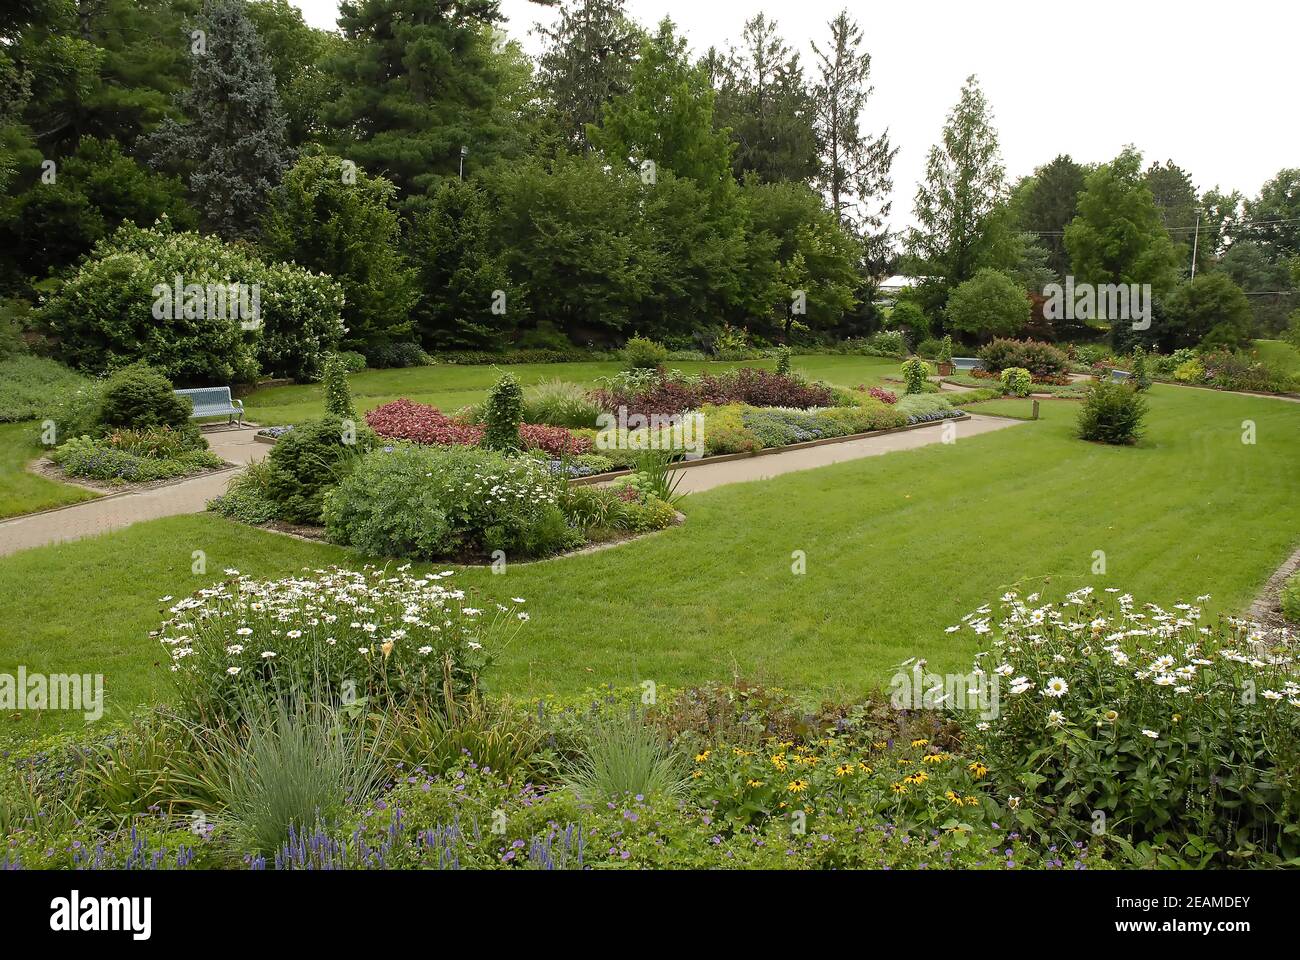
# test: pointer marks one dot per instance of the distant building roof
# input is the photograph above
(897, 282)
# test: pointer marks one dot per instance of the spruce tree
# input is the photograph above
(232, 138)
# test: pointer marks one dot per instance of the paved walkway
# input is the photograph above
(114, 511)
(696, 479)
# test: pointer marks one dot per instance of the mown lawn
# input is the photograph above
(450, 387)
(1278, 353)
(898, 547)
(23, 492)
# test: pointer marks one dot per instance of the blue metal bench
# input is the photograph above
(213, 402)
(962, 364)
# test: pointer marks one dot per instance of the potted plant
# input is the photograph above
(945, 357)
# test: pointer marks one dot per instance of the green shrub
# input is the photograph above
(294, 762)
(642, 353)
(1190, 371)
(247, 499)
(1017, 380)
(622, 757)
(915, 374)
(111, 309)
(1291, 598)
(353, 362)
(383, 356)
(141, 397)
(32, 388)
(945, 349)
(929, 348)
(1112, 413)
(783, 360)
(1140, 377)
(1040, 359)
(560, 403)
(311, 458)
(989, 303)
(334, 384)
(437, 502)
(502, 414)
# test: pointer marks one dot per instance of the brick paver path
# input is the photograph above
(114, 511)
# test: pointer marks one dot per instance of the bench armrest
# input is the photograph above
(237, 403)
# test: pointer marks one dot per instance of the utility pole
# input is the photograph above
(1196, 239)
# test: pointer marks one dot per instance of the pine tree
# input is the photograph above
(232, 138)
(855, 167)
(764, 102)
(587, 62)
(666, 117)
(419, 81)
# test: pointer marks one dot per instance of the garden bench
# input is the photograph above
(213, 402)
(964, 364)
(1119, 376)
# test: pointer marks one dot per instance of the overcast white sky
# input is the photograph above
(1210, 85)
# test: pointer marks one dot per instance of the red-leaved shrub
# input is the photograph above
(407, 420)
(759, 388)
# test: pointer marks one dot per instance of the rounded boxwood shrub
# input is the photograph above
(1111, 413)
(1018, 380)
(311, 458)
(139, 397)
(642, 353)
(435, 502)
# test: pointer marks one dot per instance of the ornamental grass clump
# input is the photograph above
(377, 635)
(1180, 738)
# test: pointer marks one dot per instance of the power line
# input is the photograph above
(1235, 223)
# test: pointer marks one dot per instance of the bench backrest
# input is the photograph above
(208, 398)
(1119, 374)
(967, 363)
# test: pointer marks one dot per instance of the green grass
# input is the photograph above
(450, 387)
(23, 492)
(898, 547)
(1278, 353)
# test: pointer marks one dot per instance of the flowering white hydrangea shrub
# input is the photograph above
(1143, 724)
(390, 636)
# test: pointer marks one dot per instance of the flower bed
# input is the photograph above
(668, 394)
(393, 635)
(418, 422)
(136, 456)
(1178, 736)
